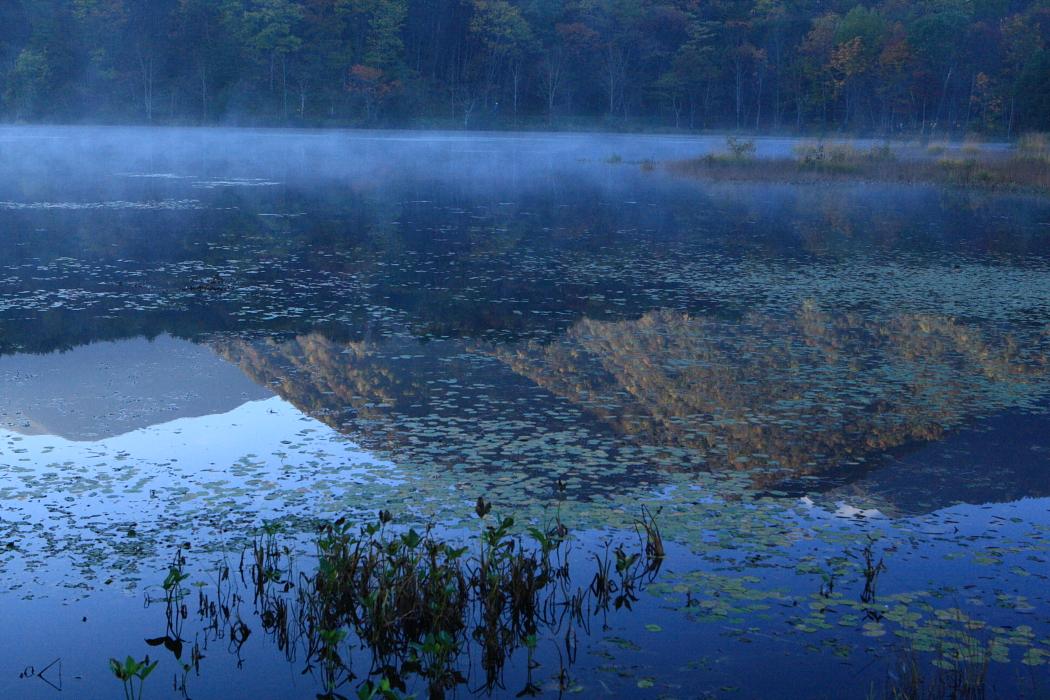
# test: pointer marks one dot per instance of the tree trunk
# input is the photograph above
(739, 91)
(778, 46)
(969, 102)
(944, 94)
(204, 94)
(758, 98)
(552, 76)
(284, 86)
(147, 86)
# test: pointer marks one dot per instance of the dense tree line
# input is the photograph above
(784, 65)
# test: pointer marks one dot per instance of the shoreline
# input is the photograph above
(1016, 171)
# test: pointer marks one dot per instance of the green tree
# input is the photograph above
(28, 83)
(270, 28)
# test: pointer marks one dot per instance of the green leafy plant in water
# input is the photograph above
(131, 670)
(379, 690)
(654, 541)
(172, 584)
(871, 573)
(415, 602)
(331, 660)
(174, 608)
(267, 557)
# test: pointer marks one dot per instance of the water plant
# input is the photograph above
(129, 671)
(740, 149)
(416, 602)
(175, 609)
(871, 572)
(967, 679)
(654, 541)
(380, 690)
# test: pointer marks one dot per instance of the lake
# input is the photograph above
(831, 399)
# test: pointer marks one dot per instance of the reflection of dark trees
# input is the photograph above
(1003, 459)
(448, 259)
(558, 281)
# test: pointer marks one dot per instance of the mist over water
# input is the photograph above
(65, 155)
(203, 329)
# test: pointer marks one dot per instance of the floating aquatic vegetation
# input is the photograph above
(164, 204)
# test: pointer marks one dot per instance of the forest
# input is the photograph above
(779, 66)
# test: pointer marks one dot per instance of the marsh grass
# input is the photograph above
(425, 610)
(1034, 146)
(1027, 169)
(738, 152)
(840, 157)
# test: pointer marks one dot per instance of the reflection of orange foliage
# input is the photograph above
(326, 379)
(800, 392)
(803, 393)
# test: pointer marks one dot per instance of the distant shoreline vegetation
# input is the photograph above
(1024, 168)
(785, 66)
(946, 140)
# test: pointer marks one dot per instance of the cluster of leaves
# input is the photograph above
(129, 671)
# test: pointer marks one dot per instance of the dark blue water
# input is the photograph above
(202, 331)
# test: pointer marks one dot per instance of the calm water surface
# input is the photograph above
(202, 331)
